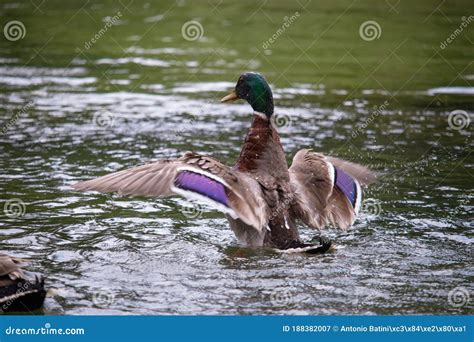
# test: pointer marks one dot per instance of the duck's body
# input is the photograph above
(19, 291)
(262, 198)
(262, 148)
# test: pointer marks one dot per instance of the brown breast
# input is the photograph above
(262, 153)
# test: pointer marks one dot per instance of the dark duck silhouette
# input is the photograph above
(261, 197)
(19, 290)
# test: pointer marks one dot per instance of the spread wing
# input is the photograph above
(194, 177)
(359, 172)
(328, 189)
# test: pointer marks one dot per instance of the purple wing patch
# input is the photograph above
(347, 185)
(203, 185)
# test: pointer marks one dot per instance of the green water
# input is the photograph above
(73, 108)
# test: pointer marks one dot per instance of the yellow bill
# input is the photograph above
(231, 97)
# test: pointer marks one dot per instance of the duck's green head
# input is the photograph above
(253, 88)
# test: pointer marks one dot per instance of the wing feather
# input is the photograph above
(323, 197)
(191, 176)
(363, 175)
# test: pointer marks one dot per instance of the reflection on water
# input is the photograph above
(98, 111)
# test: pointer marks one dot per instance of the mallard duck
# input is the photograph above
(261, 197)
(19, 291)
